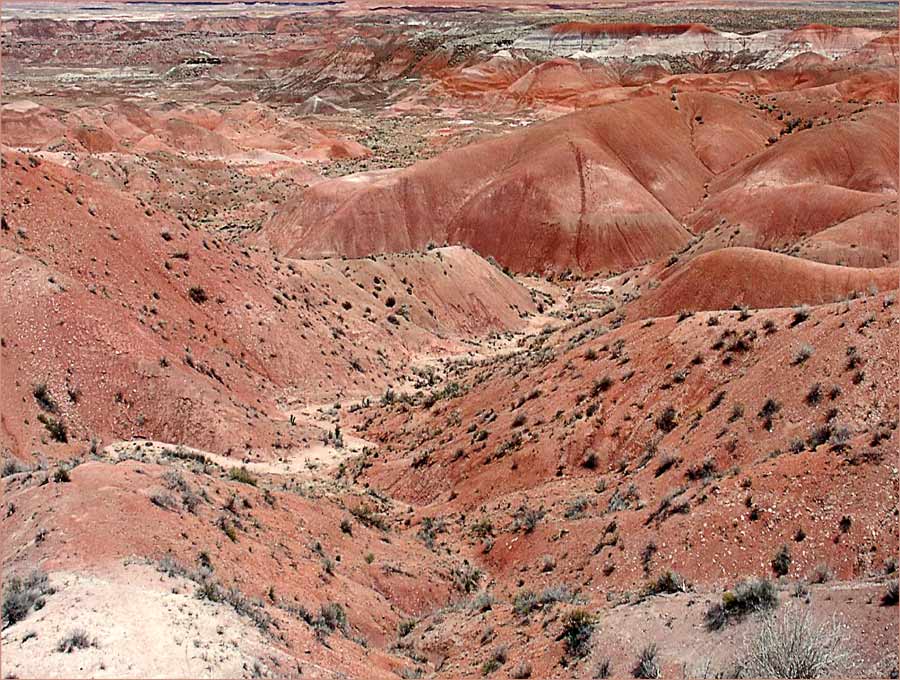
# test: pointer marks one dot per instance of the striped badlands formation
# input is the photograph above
(358, 340)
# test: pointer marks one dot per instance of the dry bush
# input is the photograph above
(796, 645)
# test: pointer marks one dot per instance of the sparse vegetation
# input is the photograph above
(12, 466)
(21, 595)
(667, 420)
(198, 294)
(466, 576)
(578, 628)
(667, 582)
(526, 519)
(56, 427)
(44, 399)
(495, 661)
(242, 475)
(77, 639)
(803, 353)
(748, 597)
(521, 671)
(648, 663)
(781, 563)
(795, 645)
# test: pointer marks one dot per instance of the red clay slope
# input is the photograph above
(139, 326)
(806, 183)
(599, 189)
(757, 279)
(584, 413)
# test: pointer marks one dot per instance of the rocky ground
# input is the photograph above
(428, 342)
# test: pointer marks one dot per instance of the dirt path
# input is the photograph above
(140, 624)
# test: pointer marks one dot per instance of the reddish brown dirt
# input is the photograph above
(139, 356)
(663, 336)
(757, 278)
(600, 189)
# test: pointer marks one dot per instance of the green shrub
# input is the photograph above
(242, 475)
(748, 597)
(578, 628)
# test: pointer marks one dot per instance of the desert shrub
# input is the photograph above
(61, 475)
(578, 627)
(748, 597)
(814, 396)
(526, 519)
(11, 466)
(577, 507)
(163, 500)
(666, 463)
(429, 530)
(667, 582)
(44, 399)
(346, 526)
(405, 627)
(781, 563)
(198, 294)
(603, 668)
(621, 500)
(891, 595)
(803, 353)
(667, 420)
(716, 401)
(840, 438)
(821, 573)
(525, 602)
(227, 528)
(77, 639)
(331, 617)
(482, 528)
(801, 314)
(21, 595)
(242, 475)
(368, 517)
(704, 470)
(648, 663)
(818, 436)
(769, 408)
(795, 645)
(521, 671)
(482, 602)
(466, 576)
(601, 385)
(495, 660)
(56, 427)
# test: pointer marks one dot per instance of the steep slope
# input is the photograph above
(135, 325)
(806, 183)
(712, 437)
(599, 189)
(757, 278)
